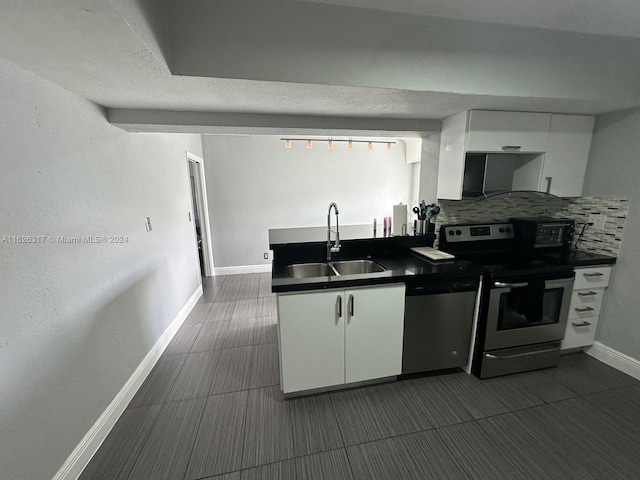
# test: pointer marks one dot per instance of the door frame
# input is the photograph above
(203, 206)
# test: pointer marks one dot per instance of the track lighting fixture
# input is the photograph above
(330, 141)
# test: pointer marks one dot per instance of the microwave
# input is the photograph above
(543, 232)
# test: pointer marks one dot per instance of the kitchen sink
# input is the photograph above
(307, 270)
(354, 267)
(333, 269)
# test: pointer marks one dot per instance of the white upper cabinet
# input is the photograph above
(567, 154)
(509, 132)
(538, 151)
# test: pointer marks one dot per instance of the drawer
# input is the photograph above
(581, 334)
(588, 296)
(579, 310)
(594, 277)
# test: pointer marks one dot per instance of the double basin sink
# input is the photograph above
(333, 269)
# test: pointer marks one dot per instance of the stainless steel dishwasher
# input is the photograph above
(437, 325)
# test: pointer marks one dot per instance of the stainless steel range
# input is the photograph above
(524, 299)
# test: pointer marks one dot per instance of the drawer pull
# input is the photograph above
(594, 274)
(583, 324)
(583, 310)
(517, 355)
(587, 294)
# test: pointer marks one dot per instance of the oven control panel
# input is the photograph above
(479, 232)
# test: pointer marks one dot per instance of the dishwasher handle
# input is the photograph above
(416, 289)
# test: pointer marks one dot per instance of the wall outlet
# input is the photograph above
(147, 223)
(266, 255)
(598, 221)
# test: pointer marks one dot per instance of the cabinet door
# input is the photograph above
(451, 161)
(567, 154)
(491, 131)
(375, 321)
(311, 334)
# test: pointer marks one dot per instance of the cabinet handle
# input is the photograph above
(339, 306)
(351, 305)
(587, 294)
(511, 147)
(517, 355)
(594, 274)
(510, 285)
(583, 324)
(582, 310)
(548, 179)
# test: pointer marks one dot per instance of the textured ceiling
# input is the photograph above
(119, 54)
(604, 17)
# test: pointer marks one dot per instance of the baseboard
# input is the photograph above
(86, 449)
(243, 269)
(615, 359)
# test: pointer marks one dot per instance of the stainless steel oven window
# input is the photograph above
(544, 332)
(516, 309)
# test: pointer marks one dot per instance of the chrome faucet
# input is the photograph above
(335, 247)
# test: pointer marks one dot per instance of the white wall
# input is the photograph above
(255, 184)
(77, 319)
(614, 170)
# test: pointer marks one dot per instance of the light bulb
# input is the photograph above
(309, 144)
(369, 146)
(287, 143)
(389, 146)
(350, 145)
(330, 144)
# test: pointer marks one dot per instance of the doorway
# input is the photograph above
(199, 214)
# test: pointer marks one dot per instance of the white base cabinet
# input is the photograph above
(586, 300)
(336, 337)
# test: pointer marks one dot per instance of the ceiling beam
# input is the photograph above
(133, 120)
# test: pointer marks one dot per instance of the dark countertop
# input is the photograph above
(579, 258)
(305, 245)
(401, 268)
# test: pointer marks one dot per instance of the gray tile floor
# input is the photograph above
(212, 408)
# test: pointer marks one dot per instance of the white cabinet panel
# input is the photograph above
(375, 320)
(587, 296)
(586, 302)
(451, 161)
(311, 335)
(333, 337)
(567, 154)
(580, 333)
(593, 277)
(578, 311)
(494, 131)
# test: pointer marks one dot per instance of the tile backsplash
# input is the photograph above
(607, 214)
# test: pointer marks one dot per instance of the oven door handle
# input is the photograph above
(525, 354)
(509, 285)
